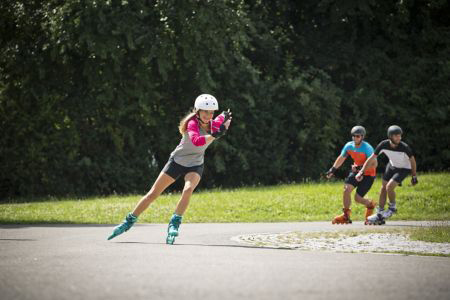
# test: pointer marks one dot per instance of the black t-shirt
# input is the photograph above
(398, 157)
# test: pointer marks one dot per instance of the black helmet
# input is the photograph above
(394, 129)
(358, 130)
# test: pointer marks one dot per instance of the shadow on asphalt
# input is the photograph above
(209, 245)
(19, 240)
(61, 225)
(237, 246)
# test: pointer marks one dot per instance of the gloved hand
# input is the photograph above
(330, 172)
(414, 180)
(227, 115)
(359, 176)
(222, 131)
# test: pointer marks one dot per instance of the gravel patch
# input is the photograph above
(360, 242)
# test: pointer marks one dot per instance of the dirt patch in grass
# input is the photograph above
(383, 240)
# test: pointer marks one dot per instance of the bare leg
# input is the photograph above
(347, 199)
(191, 181)
(383, 194)
(361, 200)
(390, 187)
(161, 183)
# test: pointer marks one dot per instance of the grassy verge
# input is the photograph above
(435, 234)
(429, 200)
(408, 253)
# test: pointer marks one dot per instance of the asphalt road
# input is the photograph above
(76, 262)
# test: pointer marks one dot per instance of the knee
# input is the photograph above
(189, 189)
(390, 187)
(347, 190)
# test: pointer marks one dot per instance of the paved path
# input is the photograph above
(76, 262)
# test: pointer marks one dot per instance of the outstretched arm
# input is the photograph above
(414, 180)
(413, 166)
(370, 162)
(338, 162)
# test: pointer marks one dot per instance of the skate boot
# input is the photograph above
(376, 219)
(369, 210)
(344, 218)
(172, 231)
(129, 221)
(388, 213)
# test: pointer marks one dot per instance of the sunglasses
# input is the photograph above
(357, 135)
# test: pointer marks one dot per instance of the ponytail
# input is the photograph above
(183, 123)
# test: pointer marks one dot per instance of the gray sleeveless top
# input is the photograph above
(187, 154)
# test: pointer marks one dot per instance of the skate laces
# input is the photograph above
(128, 222)
(131, 218)
(175, 221)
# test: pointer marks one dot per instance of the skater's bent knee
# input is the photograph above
(390, 187)
(188, 189)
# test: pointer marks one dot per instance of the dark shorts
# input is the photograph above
(363, 186)
(175, 170)
(398, 174)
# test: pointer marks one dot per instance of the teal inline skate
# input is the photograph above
(172, 230)
(129, 221)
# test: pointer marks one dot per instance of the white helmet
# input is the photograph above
(206, 102)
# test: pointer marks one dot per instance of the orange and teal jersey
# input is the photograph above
(359, 154)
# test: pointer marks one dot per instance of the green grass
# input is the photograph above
(430, 200)
(409, 253)
(434, 234)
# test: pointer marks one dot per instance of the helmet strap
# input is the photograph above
(199, 119)
(362, 139)
(392, 141)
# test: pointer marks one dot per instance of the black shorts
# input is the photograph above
(362, 186)
(175, 170)
(398, 174)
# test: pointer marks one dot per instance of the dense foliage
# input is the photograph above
(91, 92)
